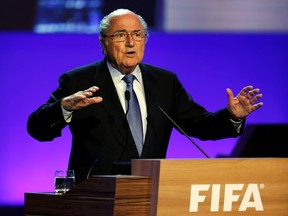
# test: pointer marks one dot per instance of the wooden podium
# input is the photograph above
(254, 186)
(217, 186)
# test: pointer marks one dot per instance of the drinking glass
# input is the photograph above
(64, 180)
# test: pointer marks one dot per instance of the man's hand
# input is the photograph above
(244, 103)
(81, 99)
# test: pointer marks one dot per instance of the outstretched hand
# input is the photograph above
(81, 99)
(244, 103)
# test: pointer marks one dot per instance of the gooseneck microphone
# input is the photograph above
(127, 98)
(178, 127)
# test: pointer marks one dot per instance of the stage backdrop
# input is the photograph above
(30, 65)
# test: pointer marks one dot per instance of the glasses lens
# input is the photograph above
(122, 36)
(138, 36)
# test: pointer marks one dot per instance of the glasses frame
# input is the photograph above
(116, 37)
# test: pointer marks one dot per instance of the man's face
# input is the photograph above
(126, 55)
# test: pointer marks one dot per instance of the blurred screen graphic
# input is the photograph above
(83, 16)
(68, 16)
(226, 15)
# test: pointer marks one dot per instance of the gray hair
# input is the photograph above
(105, 22)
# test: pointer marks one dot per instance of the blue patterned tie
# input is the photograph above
(134, 114)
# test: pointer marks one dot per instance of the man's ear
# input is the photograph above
(103, 47)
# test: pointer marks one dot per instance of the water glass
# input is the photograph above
(64, 180)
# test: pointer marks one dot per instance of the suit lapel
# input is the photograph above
(150, 82)
(110, 103)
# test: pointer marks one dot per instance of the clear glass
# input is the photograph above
(64, 180)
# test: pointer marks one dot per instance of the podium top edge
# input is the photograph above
(118, 176)
(212, 159)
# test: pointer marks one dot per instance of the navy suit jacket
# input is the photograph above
(101, 135)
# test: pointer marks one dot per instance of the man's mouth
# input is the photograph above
(130, 52)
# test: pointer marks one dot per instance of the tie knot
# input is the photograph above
(129, 78)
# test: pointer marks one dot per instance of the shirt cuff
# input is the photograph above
(237, 124)
(67, 115)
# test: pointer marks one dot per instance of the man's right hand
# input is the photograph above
(81, 99)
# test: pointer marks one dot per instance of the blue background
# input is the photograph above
(206, 63)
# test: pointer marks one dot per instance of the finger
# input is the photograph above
(96, 99)
(231, 98)
(257, 97)
(93, 89)
(93, 100)
(81, 95)
(253, 92)
(89, 92)
(230, 94)
(76, 100)
(246, 90)
(257, 106)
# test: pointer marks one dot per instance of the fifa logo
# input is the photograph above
(250, 199)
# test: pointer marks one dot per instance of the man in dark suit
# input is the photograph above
(92, 101)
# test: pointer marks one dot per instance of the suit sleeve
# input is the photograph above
(47, 122)
(199, 122)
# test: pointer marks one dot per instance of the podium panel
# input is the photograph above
(97, 196)
(254, 186)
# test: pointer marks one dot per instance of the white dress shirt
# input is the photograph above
(138, 87)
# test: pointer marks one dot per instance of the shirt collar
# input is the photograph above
(117, 76)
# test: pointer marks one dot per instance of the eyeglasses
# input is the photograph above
(122, 36)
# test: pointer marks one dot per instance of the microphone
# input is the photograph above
(178, 127)
(127, 98)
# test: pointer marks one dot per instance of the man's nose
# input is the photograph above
(129, 40)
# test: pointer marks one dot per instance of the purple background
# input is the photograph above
(30, 65)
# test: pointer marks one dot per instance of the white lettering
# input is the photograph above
(215, 198)
(250, 199)
(195, 197)
(229, 196)
(252, 191)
